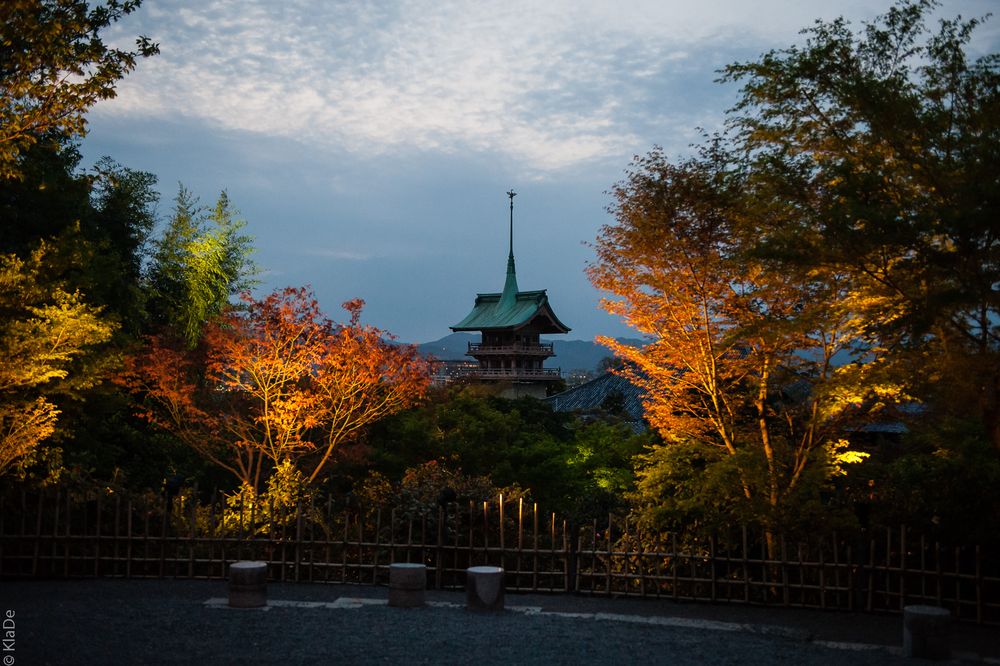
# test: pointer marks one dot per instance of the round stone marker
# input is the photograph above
(484, 589)
(248, 584)
(407, 583)
(926, 632)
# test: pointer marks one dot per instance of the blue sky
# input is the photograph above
(369, 145)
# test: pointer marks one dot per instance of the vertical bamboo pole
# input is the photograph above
(888, 568)
(784, 573)
(472, 518)
(67, 536)
(97, 535)
(361, 544)
(409, 536)
(641, 554)
(378, 535)
(240, 529)
(958, 582)
(534, 560)
(937, 568)
(439, 551)
(850, 579)
(552, 559)
(608, 579)
(746, 565)
(712, 569)
(163, 535)
(343, 549)
(979, 586)
(392, 535)
(38, 531)
(923, 568)
(328, 537)
(312, 538)
(128, 538)
(502, 542)
(486, 534)
(215, 531)
(194, 530)
(871, 574)
(115, 538)
(298, 541)
(145, 537)
(593, 555)
(822, 574)
(802, 574)
(836, 570)
(520, 539)
(673, 561)
(902, 567)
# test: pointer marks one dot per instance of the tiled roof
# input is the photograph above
(511, 309)
(592, 395)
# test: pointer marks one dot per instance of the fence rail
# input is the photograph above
(66, 534)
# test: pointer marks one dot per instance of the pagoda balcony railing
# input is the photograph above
(521, 348)
(512, 374)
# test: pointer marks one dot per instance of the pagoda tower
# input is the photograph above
(509, 352)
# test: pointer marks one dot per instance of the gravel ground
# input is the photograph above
(154, 622)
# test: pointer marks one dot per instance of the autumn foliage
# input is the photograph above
(276, 382)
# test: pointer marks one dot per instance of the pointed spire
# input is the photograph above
(509, 295)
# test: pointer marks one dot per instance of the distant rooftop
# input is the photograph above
(593, 395)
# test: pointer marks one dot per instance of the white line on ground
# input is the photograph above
(348, 603)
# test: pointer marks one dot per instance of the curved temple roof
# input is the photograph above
(511, 309)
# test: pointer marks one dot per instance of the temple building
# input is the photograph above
(510, 354)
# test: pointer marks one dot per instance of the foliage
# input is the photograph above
(885, 144)
(54, 66)
(201, 261)
(848, 210)
(564, 464)
(47, 339)
(740, 352)
(275, 383)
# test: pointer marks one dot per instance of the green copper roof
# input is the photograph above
(511, 309)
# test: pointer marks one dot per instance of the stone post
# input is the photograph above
(926, 632)
(484, 589)
(407, 583)
(248, 584)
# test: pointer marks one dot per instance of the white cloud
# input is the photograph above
(549, 84)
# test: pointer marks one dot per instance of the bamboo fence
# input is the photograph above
(71, 534)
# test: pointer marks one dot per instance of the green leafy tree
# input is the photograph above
(200, 263)
(885, 142)
(54, 65)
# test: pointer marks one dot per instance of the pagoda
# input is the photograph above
(510, 353)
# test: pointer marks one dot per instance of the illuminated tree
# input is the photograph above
(886, 140)
(277, 383)
(739, 354)
(200, 263)
(47, 336)
(54, 66)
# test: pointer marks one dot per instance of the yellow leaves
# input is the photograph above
(46, 331)
(22, 425)
(841, 454)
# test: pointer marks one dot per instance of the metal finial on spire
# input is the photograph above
(511, 193)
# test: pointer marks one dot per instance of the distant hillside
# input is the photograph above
(570, 354)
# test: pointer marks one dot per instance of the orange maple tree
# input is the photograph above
(739, 355)
(276, 383)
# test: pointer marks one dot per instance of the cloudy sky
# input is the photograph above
(369, 145)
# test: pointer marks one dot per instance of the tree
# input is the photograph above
(740, 352)
(887, 143)
(47, 339)
(277, 383)
(54, 66)
(200, 263)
